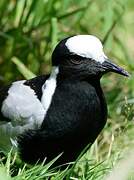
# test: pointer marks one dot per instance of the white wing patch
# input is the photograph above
(22, 105)
(24, 109)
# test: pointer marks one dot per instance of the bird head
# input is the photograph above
(83, 55)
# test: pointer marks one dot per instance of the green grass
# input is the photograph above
(29, 31)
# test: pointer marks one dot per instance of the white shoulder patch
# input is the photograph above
(87, 46)
(24, 109)
(22, 105)
(48, 89)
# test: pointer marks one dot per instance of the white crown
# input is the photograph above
(87, 46)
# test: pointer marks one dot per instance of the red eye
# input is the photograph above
(76, 61)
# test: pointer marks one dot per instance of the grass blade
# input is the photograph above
(22, 68)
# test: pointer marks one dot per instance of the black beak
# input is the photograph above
(111, 67)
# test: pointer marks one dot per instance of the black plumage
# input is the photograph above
(36, 84)
(77, 112)
(3, 95)
(70, 124)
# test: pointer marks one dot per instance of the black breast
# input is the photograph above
(76, 116)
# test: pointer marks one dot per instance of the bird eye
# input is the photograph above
(76, 60)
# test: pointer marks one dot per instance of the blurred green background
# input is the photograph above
(29, 31)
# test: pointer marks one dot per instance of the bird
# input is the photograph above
(61, 112)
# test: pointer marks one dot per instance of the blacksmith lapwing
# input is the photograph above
(61, 112)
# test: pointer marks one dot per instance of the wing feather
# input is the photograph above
(22, 105)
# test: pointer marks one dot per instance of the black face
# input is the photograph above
(74, 65)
